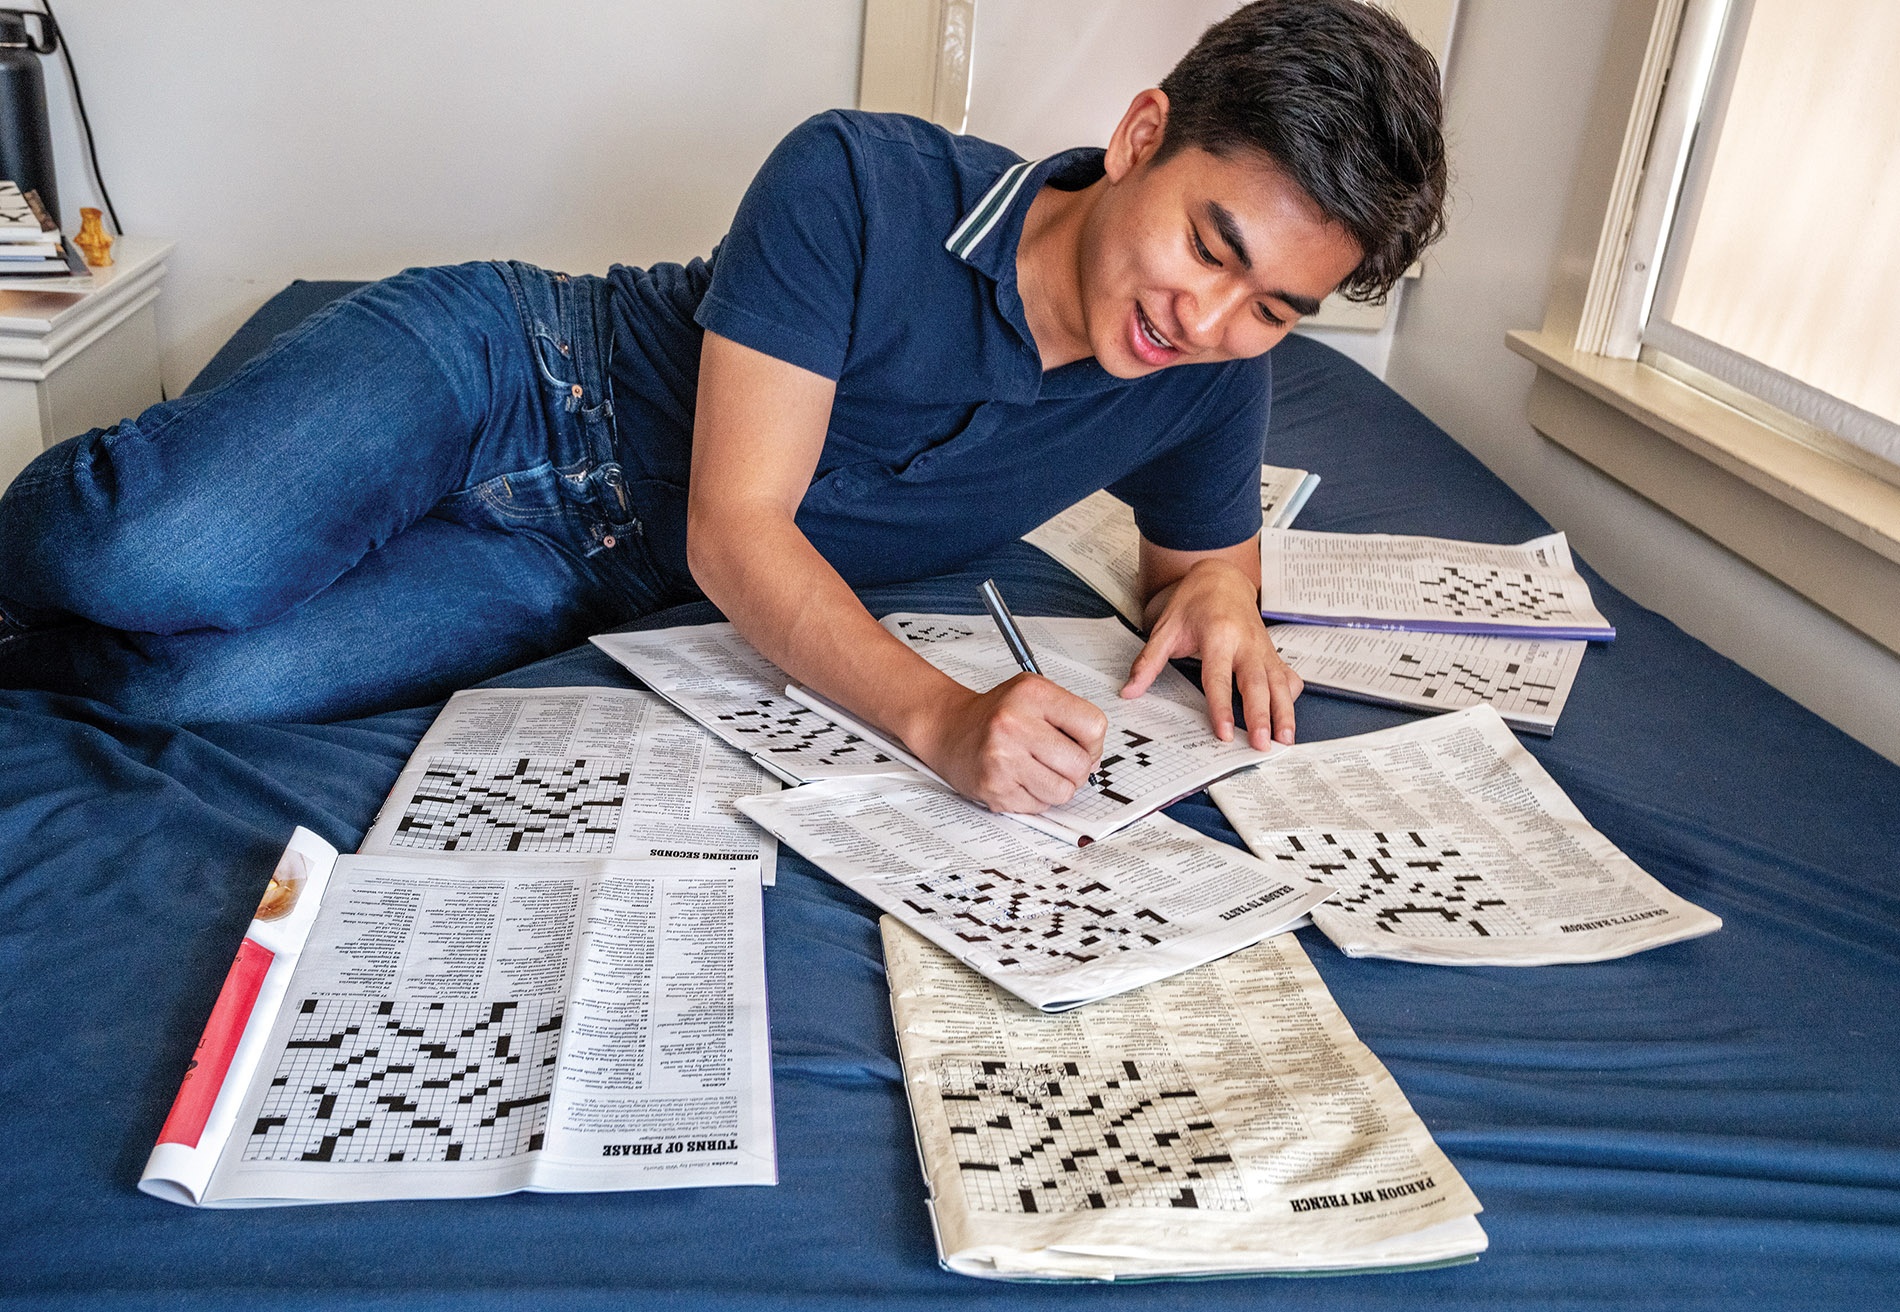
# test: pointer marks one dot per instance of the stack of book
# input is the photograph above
(30, 242)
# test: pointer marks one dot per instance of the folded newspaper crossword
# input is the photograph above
(1158, 748)
(1226, 1121)
(1531, 590)
(1448, 843)
(1055, 924)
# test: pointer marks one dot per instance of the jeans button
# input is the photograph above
(576, 390)
(608, 541)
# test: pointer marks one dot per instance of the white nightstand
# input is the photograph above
(70, 361)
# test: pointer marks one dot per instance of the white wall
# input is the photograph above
(277, 139)
(1522, 74)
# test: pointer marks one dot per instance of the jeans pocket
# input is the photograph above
(523, 498)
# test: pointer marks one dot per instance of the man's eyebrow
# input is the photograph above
(1223, 220)
(1301, 305)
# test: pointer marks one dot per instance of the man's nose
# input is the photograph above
(1204, 311)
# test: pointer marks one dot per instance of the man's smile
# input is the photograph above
(1150, 344)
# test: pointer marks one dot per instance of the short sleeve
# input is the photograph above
(785, 279)
(1202, 493)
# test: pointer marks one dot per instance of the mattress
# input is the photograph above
(1711, 1124)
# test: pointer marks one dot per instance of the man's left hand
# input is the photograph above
(1213, 612)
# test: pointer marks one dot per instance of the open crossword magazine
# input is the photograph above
(1222, 1122)
(1448, 843)
(573, 772)
(1055, 924)
(1526, 679)
(450, 1026)
(1377, 580)
(1158, 748)
(1097, 541)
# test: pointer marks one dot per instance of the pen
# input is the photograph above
(1013, 638)
(1006, 625)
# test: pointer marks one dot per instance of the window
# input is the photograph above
(1764, 251)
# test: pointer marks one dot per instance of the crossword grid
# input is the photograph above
(1408, 882)
(920, 634)
(1053, 918)
(1128, 757)
(515, 804)
(363, 1080)
(796, 737)
(1458, 681)
(1491, 592)
(1078, 1136)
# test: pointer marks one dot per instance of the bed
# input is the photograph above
(1713, 1124)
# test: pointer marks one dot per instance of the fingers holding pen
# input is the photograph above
(1025, 745)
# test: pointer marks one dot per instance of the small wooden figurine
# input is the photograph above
(93, 241)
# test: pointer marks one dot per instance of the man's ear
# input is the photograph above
(1138, 136)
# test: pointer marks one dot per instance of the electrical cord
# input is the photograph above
(85, 123)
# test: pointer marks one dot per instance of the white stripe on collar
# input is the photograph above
(977, 224)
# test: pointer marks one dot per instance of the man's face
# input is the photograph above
(1201, 258)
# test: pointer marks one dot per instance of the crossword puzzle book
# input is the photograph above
(430, 1027)
(1222, 1122)
(1377, 580)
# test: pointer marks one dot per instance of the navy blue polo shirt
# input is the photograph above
(880, 251)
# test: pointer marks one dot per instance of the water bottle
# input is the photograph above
(26, 143)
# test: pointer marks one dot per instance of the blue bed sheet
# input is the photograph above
(1710, 1125)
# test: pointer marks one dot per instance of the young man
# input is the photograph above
(911, 348)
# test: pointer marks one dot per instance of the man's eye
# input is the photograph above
(1271, 317)
(1200, 248)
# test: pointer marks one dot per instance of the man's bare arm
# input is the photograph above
(757, 434)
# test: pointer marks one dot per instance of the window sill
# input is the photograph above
(1827, 529)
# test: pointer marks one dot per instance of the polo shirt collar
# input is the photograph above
(986, 239)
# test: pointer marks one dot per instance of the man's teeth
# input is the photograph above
(1148, 331)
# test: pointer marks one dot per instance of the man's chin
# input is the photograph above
(1125, 364)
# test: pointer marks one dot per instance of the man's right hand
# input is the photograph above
(1025, 745)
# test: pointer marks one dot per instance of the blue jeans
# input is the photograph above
(414, 489)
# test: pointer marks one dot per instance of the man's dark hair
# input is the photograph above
(1341, 98)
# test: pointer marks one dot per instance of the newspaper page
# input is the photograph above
(573, 772)
(1226, 1120)
(461, 1026)
(1056, 925)
(1531, 590)
(722, 682)
(1526, 679)
(1159, 746)
(1097, 541)
(1449, 844)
